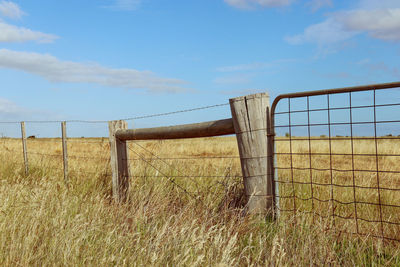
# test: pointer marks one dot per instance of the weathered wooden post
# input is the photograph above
(64, 148)
(24, 148)
(249, 114)
(119, 162)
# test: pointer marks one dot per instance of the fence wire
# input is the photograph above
(336, 156)
(187, 173)
(202, 175)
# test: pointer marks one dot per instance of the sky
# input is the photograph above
(114, 59)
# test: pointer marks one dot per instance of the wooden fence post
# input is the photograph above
(64, 148)
(119, 162)
(249, 114)
(24, 148)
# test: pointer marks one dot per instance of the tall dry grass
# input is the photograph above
(44, 222)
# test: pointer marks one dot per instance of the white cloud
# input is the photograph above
(378, 19)
(327, 32)
(10, 10)
(55, 70)
(11, 33)
(375, 4)
(9, 108)
(125, 5)
(378, 23)
(318, 4)
(250, 4)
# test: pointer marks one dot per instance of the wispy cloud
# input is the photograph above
(14, 112)
(334, 75)
(10, 111)
(55, 70)
(380, 68)
(124, 5)
(324, 33)
(379, 19)
(378, 23)
(234, 79)
(239, 92)
(8, 107)
(252, 4)
(315, 5)
(10, 33)
(10, 10)
(253, 66)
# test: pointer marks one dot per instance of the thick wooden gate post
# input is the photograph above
(249, 114)
(119, 162)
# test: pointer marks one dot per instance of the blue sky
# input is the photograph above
(111, 59)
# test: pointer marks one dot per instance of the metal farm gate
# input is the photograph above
(336, 156)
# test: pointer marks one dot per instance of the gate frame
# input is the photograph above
(306, 94)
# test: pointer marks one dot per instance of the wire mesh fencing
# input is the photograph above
(206, 170)
(336, 157)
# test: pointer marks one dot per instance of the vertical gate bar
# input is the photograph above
(291, 160)
(330, 160)
(271, 162)
(24, 147)
(310, 158)
(352, 162)
(377, 168)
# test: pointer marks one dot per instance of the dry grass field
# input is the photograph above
(175, 218)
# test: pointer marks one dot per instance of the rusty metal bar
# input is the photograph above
(203, 129)
(334, 91)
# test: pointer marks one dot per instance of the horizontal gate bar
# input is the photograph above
(335, 91)
(203, 129)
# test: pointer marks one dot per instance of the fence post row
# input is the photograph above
(24, 148)
(119, 162)
(65, 152)
(250, 115)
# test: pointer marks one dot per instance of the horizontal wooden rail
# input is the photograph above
(203, 129)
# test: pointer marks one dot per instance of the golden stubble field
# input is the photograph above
(185, 205)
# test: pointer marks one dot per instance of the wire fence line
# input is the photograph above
(185, 180)
(91, 156)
